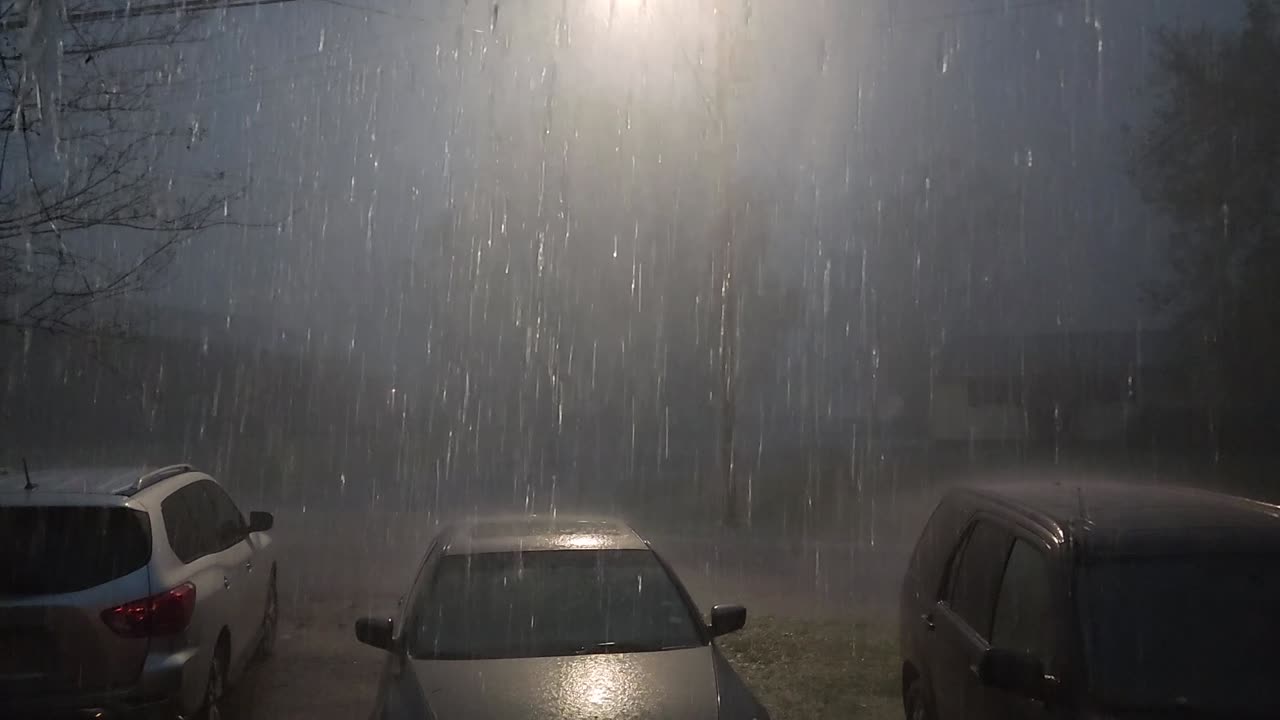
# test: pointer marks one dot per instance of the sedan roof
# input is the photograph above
(529, 533)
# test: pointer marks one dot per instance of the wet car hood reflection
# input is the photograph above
(671, 685)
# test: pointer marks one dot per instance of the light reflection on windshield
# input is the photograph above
(549, 602)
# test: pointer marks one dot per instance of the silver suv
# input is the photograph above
(128, 593)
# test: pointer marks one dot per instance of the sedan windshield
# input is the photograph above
(549, 603)
(1198, 632)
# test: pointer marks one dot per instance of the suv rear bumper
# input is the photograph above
(169, 686)
(130, 709)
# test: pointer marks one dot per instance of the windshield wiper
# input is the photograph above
(624, 647)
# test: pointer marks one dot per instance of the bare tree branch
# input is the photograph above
(82, 176)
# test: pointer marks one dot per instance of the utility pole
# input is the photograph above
(727, 281)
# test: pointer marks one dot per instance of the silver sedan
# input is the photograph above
(553, 618)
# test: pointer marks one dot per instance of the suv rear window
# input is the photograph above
(53, 550)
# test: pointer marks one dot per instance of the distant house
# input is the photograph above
(811, 395)
(1083, 386)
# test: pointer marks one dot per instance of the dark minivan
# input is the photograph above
(1056, 600)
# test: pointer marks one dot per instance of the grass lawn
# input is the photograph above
(816, 669)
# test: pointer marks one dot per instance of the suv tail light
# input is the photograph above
(165, 613)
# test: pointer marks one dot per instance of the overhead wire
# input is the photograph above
(379, 11)
(188, 6)
(132, 11)
(1001, 9)
(276, 77)
(892, 24)
(270, 77)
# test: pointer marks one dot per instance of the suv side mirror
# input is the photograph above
(1013, 671)
(261, 521)
(376, 632)
(727, 619)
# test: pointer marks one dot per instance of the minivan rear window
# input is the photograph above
(49, 550)
(1187, 633)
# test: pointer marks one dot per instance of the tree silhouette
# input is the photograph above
(1209, 160)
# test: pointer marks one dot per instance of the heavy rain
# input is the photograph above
(764, 280)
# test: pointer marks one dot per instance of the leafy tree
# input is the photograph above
(1209, 160)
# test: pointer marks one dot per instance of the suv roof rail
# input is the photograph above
(158, 475)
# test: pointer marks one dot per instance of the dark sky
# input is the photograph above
(503, 228)
(304, 97)
(368, 128)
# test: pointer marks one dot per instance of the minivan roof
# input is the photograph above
(1120, 518)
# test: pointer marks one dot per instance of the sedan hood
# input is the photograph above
(669, 685)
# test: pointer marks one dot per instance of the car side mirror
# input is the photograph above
(1021, 673)
(727, 619)
(261, 521)
(376, 632)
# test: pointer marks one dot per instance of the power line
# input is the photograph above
(164, 8)
(273, 78)
(378, 11)
(191, 6)
(275, 73)
(974, 12)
